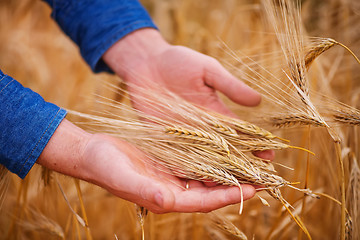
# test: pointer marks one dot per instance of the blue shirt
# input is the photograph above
(27, 122)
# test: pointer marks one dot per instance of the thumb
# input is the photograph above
(217, 77)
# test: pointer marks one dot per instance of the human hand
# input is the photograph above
(125, 171)
(144, 58)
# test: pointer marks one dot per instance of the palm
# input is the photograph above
(193, 76)
(124, 172)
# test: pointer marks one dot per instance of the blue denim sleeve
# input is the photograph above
(95, 25)
(27, 123)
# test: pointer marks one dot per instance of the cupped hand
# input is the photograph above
(144, 58)
(126, 172)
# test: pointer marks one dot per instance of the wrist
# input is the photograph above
(137, 48)
(64, 152)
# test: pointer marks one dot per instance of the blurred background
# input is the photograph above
(34, 51)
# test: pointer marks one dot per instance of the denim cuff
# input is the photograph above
(95, 25)
(27, 123)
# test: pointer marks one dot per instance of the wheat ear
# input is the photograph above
(200, 136)
(322, 46)
(225, 225)
(288, 120)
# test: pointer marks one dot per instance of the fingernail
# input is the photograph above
(159, 199)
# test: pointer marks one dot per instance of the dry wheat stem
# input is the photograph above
(141, 213)
(296, 218)
(353, 198)
(76, 216)
(342, 189)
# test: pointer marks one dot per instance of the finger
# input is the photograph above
(151, 199)
(267, 154)
(219, 106)
(145, 190)
(198, 184)
(216, 76)
(207, 199)
(210, 184)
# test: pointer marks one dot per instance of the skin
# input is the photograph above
(144, 57)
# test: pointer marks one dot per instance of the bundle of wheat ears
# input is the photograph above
(194, 143)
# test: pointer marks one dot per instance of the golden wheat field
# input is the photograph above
(304, 65)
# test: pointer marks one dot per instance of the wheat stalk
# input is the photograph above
(141, 213)
(353, 200)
